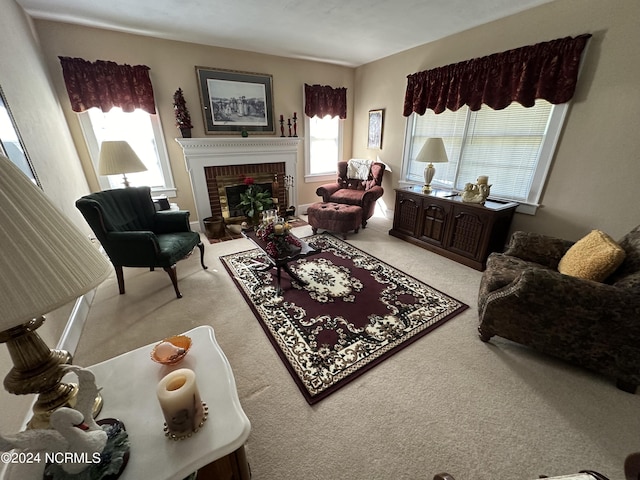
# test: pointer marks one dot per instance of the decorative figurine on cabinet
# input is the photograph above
(476, 193)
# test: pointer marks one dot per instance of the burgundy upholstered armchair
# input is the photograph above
(349, 191)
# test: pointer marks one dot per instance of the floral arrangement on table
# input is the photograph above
(277, 238)
(254, 200)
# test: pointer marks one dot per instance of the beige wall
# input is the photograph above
(172, 66)
(29, 93)
(593, 178)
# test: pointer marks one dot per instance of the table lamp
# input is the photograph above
(431, 152)
(46, 262)
(118, 158)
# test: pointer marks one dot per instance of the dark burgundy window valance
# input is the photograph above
(547, 70)
(105, 84)
(322, 100)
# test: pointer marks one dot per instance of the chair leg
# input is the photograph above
(174, 278)
(120, 277)
(484, 335)
(201, 247)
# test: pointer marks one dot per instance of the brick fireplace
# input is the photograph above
(223, 180)
(208, 159)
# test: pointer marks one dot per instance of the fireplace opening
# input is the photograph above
(233, 197)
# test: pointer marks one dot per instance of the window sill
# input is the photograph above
(168, 192)
(330, 177)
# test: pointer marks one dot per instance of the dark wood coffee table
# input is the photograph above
(282, 262)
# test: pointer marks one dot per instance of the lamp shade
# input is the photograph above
(45, 260)
(117, 157)
(432, 151)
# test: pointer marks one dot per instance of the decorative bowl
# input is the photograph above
(171, 350)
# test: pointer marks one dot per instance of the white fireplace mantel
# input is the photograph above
(210, 152)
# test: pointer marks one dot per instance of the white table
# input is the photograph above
(129, 391)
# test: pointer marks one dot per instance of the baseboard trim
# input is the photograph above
(71, 334)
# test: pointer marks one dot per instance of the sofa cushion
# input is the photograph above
(593, 257)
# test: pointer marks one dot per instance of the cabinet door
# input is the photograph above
(434, 224)
(468, 230)
(406, 215)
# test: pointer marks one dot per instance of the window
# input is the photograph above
(323, 148)
(144, 133)
(513, 146)
(11, 145)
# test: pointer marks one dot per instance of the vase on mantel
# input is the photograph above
(186, 132)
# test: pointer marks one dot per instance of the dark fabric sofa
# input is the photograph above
(596, 325)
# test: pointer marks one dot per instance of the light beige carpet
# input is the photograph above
(446, 403)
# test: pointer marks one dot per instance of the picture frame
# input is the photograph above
(376, 119)
(235, 102)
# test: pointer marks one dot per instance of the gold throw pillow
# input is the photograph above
(593, 257)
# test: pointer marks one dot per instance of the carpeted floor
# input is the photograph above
(354, 312)
(446, 403)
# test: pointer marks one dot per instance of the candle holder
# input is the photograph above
(173, 436)
(289, 125)
(295, 125)
(281, 126)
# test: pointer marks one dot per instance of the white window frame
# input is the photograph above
(321, 177)
(547, 151)
(169, 188)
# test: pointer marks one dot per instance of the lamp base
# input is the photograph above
(429, 173)
(38, 369)
(49, 402)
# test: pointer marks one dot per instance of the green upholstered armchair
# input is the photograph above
(133, 234)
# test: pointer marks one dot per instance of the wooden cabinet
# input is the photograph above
(442, 223)
(231, 467)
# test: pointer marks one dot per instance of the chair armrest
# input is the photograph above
(534, 247)
(373, 194)
(130, 249)
(325, 191)
(572, 304)
(169, 221)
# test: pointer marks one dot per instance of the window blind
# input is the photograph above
(503, 144)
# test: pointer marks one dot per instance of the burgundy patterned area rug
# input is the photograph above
(355, 312)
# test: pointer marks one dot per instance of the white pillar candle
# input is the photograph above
(483, 180)
(180, 402)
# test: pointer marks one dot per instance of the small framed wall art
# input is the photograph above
(235, 102)
(376, 118)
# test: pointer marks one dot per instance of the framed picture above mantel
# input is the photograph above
(234, 101)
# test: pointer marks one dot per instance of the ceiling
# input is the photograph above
(344, 32)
